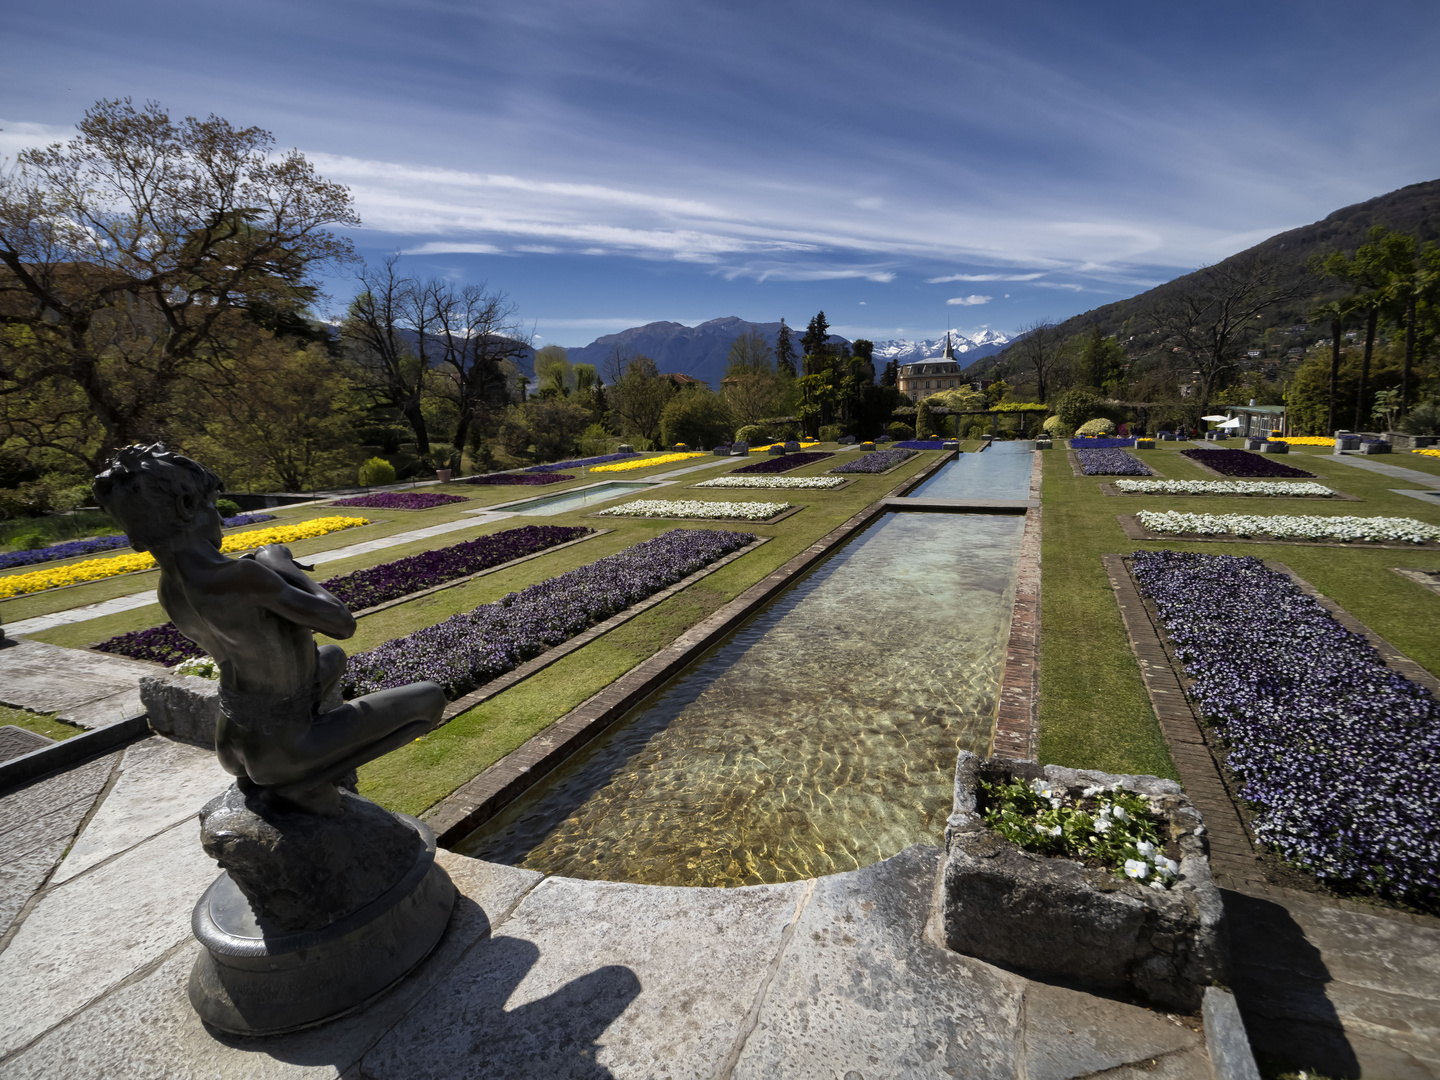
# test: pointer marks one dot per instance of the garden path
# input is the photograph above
(89, 689)
(1397, 472)
(535, 976)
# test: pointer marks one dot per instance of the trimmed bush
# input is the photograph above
(753, 435)
(227, 507)
(899, 430)
(1098, 426)
(377, 472)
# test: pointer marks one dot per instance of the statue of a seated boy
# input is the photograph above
(256, 616)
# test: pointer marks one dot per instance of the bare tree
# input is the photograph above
(750, 386)
(479, 332)
(129, 256)
(1038, 350)
(390, 312)
(640, 396)
(1206, 319)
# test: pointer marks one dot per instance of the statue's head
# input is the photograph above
(154, 494)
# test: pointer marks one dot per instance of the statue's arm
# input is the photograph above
(293, 596)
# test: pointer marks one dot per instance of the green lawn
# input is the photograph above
(37, 722)
(1093, 709)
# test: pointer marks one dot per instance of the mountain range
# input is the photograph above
(701, 351)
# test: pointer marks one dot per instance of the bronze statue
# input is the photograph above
(257, 616)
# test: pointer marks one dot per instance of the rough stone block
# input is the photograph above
(1056, 916)
(182, 707)
(1375, 448)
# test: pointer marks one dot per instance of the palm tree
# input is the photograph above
(1335, 312)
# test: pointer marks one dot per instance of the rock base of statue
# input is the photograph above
(349, 906)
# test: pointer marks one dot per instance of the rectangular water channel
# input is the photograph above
(819, 737)
(575, 499)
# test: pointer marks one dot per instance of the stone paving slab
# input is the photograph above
(18, 741)
(592, 979)
(159, 783)
(1396, 472)
(87, 688)
(146, 1029)
(92, 932)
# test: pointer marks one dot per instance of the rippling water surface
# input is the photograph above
(820, 737)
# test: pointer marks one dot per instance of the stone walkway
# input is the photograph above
(89, 689)
(535, 977)
(1397, 472)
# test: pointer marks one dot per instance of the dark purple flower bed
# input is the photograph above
(919, 444)
(401, 500)
(580, 463)
(1242, 463)
(1111, 463)
(374, 585)
(877, 461)
(1100, 444)
(1338, 754)
(470, 649)
(782, 463)
(529, 479)
(90, 545)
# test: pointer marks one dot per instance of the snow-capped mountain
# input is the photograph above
(985, 343)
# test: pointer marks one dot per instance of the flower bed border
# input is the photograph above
(1199, 757)
(729, 520)
(1133, 530)
(1078, 469)
(1109, 489)
(812, 491)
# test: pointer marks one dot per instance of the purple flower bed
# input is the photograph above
(529, 479)
(580, 463)
(1242, 463)
(374, 585)
(470, 649)
(1338, 754)
(1100, 444)
(877, 461)
(92, 544)
(401, 500)
(782, 463)
(919, 444)
(1111, 463)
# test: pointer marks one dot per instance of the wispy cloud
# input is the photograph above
(982, 277)
(969, 301)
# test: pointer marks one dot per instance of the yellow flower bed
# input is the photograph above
(803, 446)
(645, 463)
(1306, 440)
(96, 569)
(1428, 452)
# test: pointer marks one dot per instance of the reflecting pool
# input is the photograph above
(1001, 472)
(819, 737)
(575, 500)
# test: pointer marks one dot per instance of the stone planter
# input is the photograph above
(1274, 448)
(625, 448)
(1346, 442)
(867, 446)
(740, 449)
(1375, 448)
(1144, 444)
(1043, 444)
(182, 707)
(1056, 916)
(443, 475)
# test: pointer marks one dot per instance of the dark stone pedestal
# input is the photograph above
(259, 976)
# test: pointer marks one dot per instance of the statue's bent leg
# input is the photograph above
(330, 661)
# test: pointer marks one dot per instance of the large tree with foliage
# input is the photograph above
(751, 384)
(130, 255)
(785, 350)
(638, 398)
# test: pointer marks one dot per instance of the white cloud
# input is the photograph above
(982, 277)
(969, 301)
(452, 247)
(1059, 285)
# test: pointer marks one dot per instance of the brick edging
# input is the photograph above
(1017, 723)
(1232, 852)
(478, 800)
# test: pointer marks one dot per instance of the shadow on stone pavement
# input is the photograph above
(1279, 980)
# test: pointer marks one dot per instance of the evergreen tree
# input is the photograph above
(814, 342)
(784, 351)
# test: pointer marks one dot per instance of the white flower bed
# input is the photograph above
(1309, 527)
(1221, 487)
(774, 482)
(694, 508)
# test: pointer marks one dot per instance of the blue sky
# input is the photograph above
(905, 166)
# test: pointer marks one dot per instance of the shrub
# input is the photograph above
(1057, 428)
(752, 434)
(830, 433)
(227, 507)
(1100, 427)
(696, 418)
(899, 430)
(377, 472)
(1076, 405)
(924, 420)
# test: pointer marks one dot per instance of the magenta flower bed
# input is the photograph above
(877, 461)
(401, 500)
(528, 479)
(1243, 463)
(470, 649)
(374, 585)
(782, 463)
